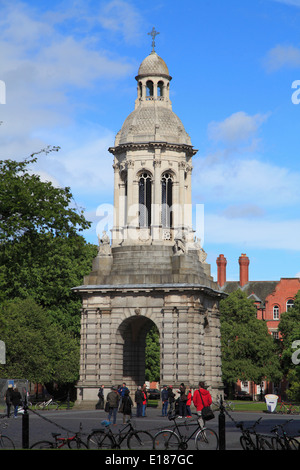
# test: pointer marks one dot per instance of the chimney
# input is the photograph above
(244, 265)
(221, 263)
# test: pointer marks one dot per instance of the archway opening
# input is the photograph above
(137, 352)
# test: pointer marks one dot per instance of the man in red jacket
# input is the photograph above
(201, 398)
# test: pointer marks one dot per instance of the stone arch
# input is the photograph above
(130, 349)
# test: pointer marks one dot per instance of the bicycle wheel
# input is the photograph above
(52, 406)
(40, 406)
(166, 440)
(77, 444)
(206, 439)
(6, 443)
(99, 440)
(293, 444)
(140, 440)
(264, 444)
(43, 445)
(277, 444)
(246, 443)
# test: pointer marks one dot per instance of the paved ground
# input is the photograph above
(42, 424)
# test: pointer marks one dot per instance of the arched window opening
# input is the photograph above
(160, 88)
(140, 90)
(145, 187)
(276, 312)
(167, 200)
(149, 88)
(289, 304)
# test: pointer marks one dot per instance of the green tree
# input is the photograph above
(152, 355)
(289, 327)
(248, 351)
(36, 348)
(42, 255)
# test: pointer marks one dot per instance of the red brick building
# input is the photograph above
(271, 298)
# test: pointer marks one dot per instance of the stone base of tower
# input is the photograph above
(126, 294)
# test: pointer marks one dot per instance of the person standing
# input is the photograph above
(201, 398)
(122, 391)
(100, 404)
(165, 400)
(171, 397)
(188, 404)
(182, 401)
(16, 401)
(144, 400)
(113, 403)
(8, 399)
(126, 406)
(139, 401)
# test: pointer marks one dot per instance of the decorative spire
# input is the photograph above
(153, 33)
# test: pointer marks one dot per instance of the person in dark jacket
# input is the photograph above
(126, 406)
(8, 399)
(165, 401)
(16, 401)
(113, 402)
(171, 396)
(182, 401)
(100, 404)
(138, 398)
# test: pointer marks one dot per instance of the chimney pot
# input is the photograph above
(244, 269)
(221, 263)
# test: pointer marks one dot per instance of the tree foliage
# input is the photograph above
(152, 356)
(289, 327)
(248, 350)
(36, 348)
(42, 256)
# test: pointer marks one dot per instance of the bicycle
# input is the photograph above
(106, 439)
(173, 439)
(73, 442)
(283, 441)
(251, 440)
(228, 405)
(5, 441)
(49, 405)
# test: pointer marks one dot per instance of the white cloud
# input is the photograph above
(295, 3)
(49, 74)
(248, 181)
(119, 16)
(238, 128)
(282, 56)
(266, 234)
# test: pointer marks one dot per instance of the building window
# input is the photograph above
(145, 200)
(160, 88)
(275, 334)
(166, 200)
(275, 312)
(289, 304)
(149, 88)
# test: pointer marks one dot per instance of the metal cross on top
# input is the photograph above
(153, 33)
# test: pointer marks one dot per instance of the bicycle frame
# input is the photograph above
(185, 439)
(120, 437)
(62, 441)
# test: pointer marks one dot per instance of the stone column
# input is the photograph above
(156, 205)
(169, 345)
(116, 215)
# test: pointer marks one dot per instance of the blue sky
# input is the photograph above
(69, 69)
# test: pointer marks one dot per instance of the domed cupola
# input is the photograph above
(153, 119)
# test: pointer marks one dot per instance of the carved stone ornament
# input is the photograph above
(104, 244)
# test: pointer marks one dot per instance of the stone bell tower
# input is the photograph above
(153, 270)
